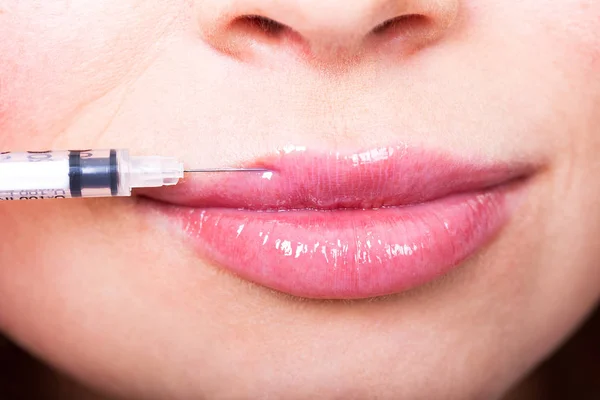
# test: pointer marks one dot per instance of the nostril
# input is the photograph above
(263, 30)
(403, 25)
(257, 24)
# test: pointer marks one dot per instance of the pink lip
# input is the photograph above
(344, 226)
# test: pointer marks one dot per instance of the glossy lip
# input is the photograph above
(345, 226)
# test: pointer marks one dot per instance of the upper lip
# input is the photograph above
(298, 179)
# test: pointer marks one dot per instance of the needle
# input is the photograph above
(226, 170)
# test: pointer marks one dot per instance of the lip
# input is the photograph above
(345, 225)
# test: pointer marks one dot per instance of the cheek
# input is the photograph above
(59, 56)
(573, 27)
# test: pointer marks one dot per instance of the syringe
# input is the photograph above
(87, 173)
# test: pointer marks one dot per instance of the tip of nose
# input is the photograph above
(321, 39)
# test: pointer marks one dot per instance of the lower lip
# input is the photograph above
(348, 254)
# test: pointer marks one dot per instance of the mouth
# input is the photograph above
(345, 225)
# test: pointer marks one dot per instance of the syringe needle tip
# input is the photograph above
(194, 170)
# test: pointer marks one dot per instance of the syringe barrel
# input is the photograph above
(81, 173)
(61, 174)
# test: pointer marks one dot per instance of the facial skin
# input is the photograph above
(109, 295)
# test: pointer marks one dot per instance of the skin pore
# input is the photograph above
(109, 295)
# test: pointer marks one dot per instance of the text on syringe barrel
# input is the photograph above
(60, 174)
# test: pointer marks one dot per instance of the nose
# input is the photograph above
(326, 30)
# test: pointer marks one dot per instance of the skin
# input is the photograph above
(107, 294)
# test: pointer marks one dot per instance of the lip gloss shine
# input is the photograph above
(345, 226)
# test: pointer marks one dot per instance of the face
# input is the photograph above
(428, 206)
